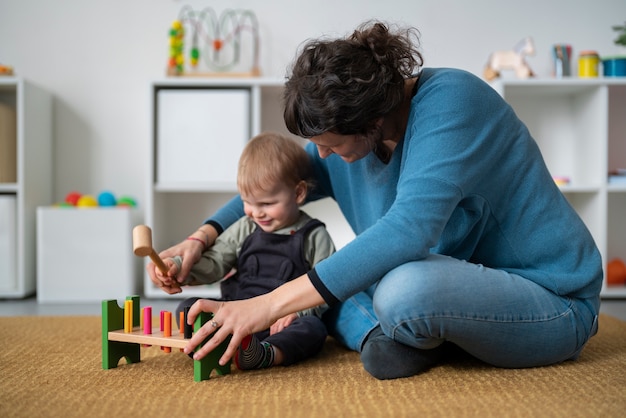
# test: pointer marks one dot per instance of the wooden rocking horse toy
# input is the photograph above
(514, 59)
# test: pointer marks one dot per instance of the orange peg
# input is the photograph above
(167, 329)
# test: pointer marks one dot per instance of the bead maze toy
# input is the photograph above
(215, 42)
(125, 329)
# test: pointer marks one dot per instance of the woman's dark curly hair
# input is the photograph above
(345, 85)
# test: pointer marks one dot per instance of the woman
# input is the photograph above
(462, 236)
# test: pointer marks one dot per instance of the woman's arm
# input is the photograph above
(244, 317)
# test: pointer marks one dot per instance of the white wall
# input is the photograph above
(98, 57)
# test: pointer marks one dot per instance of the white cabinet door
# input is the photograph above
(8, 243)
(200, 135)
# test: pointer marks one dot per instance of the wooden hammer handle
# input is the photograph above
(158, 262)
(161, 266)
(142, 246)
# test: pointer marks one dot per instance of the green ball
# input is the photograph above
(126, 201)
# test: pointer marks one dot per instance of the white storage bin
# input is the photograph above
(86, 254)
(8, 243)
(200, 135)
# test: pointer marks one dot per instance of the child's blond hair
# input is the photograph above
(271, 158)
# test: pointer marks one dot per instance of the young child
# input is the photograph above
(274, 243)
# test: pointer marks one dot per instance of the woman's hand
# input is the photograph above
(244, 317)
(237, 318)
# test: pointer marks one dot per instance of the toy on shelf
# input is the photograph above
(562, 58)
(71, 198)
(86, 201)
(216, 42)
(125, 330)
(616, 272)
(561, 180)
(514, 59)
(107, 198)
(104, 199)
(617, 176)
(6, 70)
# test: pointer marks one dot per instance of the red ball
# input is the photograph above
(72, 198)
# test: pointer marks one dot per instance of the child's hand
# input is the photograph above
(167, 282)
(189, 250)
(282, 323)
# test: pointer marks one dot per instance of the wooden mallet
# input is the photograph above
(142, 246)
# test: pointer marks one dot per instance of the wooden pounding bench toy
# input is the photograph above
(125, 329)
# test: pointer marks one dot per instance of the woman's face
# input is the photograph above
(349, 147)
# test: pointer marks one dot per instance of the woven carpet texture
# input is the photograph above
(52, 367)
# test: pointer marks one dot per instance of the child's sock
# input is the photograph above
(254, 354)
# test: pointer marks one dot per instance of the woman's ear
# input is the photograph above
(301, 191)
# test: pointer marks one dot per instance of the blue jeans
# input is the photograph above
(498, 317)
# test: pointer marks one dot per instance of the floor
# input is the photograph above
(29, 306)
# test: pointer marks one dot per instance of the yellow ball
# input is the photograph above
(87, 201)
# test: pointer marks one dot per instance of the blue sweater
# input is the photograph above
(466, 181)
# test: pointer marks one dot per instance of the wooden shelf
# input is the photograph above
(31, 185)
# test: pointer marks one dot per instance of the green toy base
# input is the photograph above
(117, 344)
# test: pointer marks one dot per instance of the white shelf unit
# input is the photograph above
(188, 106)
(26, 180)
(580, 126)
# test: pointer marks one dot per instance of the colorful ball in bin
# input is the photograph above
(106, 198)
(126, 201)
(87, 201)
(72, 198)
(616, 272)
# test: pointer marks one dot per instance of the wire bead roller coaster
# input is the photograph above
(216, 42)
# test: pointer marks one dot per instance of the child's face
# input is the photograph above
(275, 209)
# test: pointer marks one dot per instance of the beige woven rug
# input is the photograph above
(51, 367)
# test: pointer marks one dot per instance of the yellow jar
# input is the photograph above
(588, 64)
